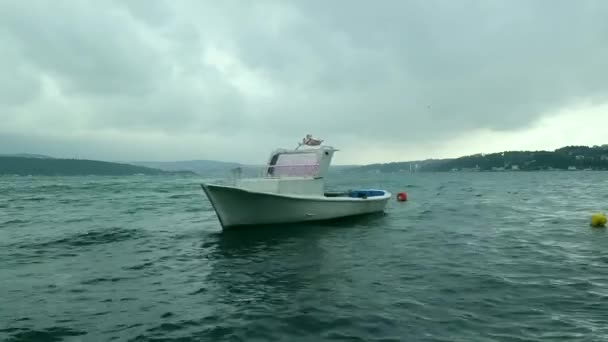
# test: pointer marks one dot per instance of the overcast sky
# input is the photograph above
(231, 80)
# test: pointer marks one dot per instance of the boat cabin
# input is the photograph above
(297, 171)
(307, 163)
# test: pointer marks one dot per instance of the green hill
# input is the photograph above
(70, 167)
(569, 157)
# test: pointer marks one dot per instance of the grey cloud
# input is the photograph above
(451, 66)
(410, 71)
(18, 86)
(153, 13)
(90, 50)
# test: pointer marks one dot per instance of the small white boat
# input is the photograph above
(291, 189)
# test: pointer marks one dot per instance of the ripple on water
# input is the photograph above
(208, 328)
(179, 196)
(79, 219)
(33, 199)
(14, 222)
(103, 280)
(66, 247)
(92, 237)
(52, 334)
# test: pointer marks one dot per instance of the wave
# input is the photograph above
(13, 222)
(96, 237)
(33, 199)
(183, 196)
(53, 334)
(102, 280)
(63, 247)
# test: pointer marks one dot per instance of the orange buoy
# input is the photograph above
(402, 197)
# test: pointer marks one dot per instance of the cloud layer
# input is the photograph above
(229, 80)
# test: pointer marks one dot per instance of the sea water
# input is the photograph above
(470, 257)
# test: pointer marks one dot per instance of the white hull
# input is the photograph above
(239, 207)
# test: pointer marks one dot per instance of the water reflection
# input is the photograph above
(242, 241)
(277, 266)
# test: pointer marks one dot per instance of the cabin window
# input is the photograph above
(296, 165)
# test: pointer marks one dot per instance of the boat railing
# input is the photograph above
(274, 172)
(235, 175)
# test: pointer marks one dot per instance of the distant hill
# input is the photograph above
(203, 167)
(69, 167)
(26, 155)
(415, 165)
(565, 158)
(569, 157)
(37, 164)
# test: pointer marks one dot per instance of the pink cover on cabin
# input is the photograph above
(296, 165)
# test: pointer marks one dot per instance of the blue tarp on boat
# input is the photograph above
(365, 193)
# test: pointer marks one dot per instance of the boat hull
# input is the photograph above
(238, 207)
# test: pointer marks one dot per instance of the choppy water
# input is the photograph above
(471, 257)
